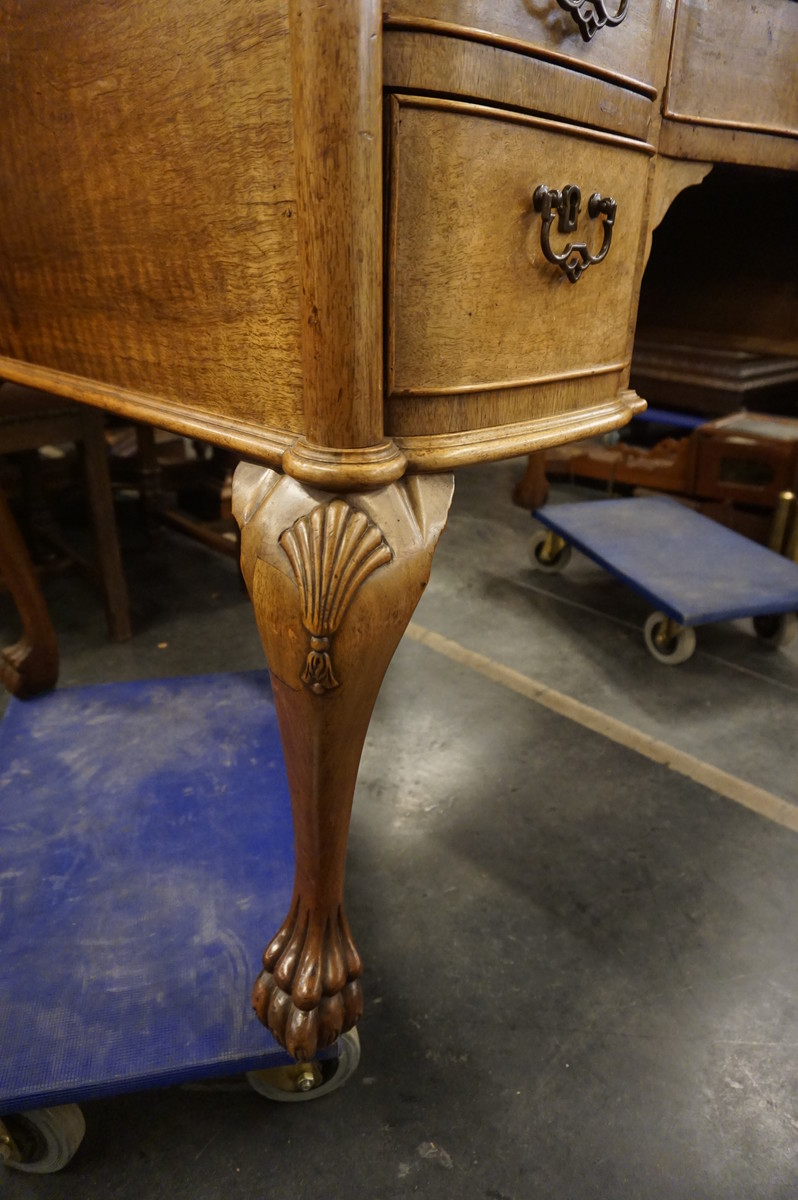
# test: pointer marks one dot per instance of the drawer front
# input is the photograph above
(736, 71)
(419, 62)
(475, 306)
(632, 52)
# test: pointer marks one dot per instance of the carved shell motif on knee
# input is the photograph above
(332, 551)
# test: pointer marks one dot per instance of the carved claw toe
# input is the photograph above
(309, 992)
(304, 1032)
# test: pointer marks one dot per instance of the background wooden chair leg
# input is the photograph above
(150, 475)
(106, 538)
(533, 490)
(31, 664)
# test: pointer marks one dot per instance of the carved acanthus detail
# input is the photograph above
(332, 551)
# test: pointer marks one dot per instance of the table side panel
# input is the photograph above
(147, 219)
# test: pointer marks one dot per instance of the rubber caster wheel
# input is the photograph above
(777, 629)
(43, 1140)
(548, 552)
(308, 1081)
(668, 642)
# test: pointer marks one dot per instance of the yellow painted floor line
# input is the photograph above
(774, 808)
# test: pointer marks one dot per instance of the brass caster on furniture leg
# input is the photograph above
(548, 552)
(309, 1081)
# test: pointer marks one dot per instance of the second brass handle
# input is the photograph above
(592, 15)
(575, 258)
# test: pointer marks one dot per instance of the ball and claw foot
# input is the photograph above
(309, 991)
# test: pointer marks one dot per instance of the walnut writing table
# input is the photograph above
(361, 247)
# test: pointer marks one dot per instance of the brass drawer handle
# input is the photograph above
(575, 258)
(592, 15)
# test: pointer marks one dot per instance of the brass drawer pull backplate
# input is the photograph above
(592, 15)
(575, 258)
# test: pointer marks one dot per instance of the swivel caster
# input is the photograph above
(668, 641)
(309, 1081)
(43, 1140)
(776, 629)
(548, 552)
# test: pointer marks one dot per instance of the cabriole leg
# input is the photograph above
(334, 581)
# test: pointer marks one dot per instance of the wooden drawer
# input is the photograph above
(632, 53)
(735, 66)
(426, 63)
(483, 329)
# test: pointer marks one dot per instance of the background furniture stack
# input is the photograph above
(29, 419)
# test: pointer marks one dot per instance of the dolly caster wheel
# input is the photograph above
(548, 552)
(667, 641)
(777, 629)
(309, 1081)
(43, 1140)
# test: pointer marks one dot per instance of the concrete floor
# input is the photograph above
(581, 966)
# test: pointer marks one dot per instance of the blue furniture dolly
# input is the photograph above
(145, 845)
(691, 569)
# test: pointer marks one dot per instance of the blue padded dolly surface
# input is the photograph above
(693, 569)
(146, 855)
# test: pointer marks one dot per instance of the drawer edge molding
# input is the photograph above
(784, 131)
(445, 451)
(252, 440)
(489, 113)
(447, 29)
(503, 385)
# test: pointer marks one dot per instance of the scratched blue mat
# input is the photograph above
(146, 857)
(693, 569)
